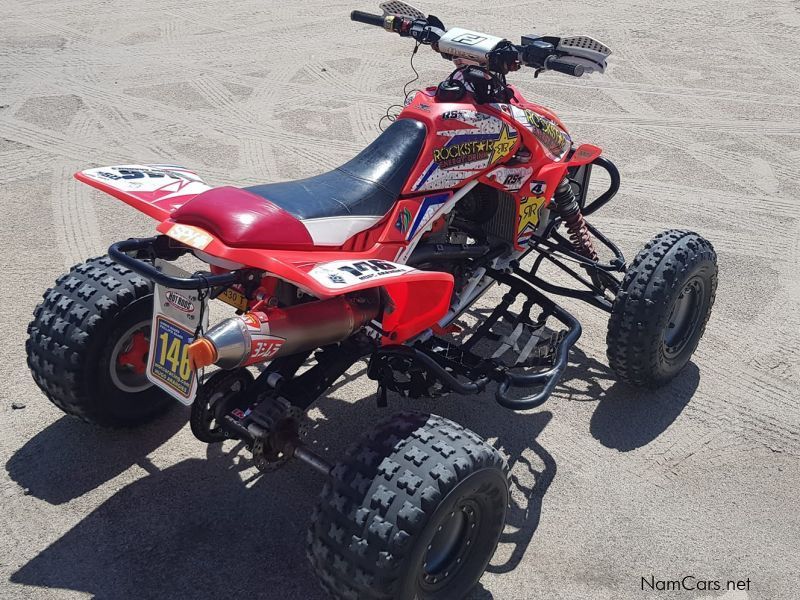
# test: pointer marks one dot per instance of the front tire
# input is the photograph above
(88, 344)
(661, 310)
(414, 510)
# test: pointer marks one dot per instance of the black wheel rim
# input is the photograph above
(455, 535)
(684, 317)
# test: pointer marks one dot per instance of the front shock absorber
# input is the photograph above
(567, 206)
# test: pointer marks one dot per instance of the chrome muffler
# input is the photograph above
(264, 335)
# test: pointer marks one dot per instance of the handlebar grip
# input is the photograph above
(368, 18)
(564, 67)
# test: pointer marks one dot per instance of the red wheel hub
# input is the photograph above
(135, 357)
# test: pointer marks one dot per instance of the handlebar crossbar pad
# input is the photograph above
(368, 18)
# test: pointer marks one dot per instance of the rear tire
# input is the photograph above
(93, 320)
(661, 310)
(414, 510)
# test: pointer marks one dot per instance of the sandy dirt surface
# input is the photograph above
(701, 111)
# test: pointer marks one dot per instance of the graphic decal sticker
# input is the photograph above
(345, 273)
(165, 186)
(554, 140)
(459, 115)
(427, 211)
(190, 235)
(403, 220)
(584, 153)
(511, 178)
(493, 148)
(483, 141)
(265, 348)
(147, 178)
(171, 365)
(530, 209)
(179, 301)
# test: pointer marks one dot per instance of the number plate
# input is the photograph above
(176, 315)
(236, 299)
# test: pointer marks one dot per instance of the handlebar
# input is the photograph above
(367, 18)
(497, 54)
(425, 31)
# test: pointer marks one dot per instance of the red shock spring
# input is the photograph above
(567, 206)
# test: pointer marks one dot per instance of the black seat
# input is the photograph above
(367, 185)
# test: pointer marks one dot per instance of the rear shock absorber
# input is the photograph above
(567, 206)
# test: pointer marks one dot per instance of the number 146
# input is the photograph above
(178, 360)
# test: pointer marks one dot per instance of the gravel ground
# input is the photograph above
(699, 109)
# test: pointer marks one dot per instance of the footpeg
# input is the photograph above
(528, 346)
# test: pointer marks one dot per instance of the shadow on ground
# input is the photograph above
(215, 528)
(69, 458)
(627, 417)
(193, 530)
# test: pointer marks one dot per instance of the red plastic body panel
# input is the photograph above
(291, 265)
(329, 274)
(466, 140)
(518, 147)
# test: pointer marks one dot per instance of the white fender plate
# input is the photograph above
(156, 190)
(345, 273)
(176, 315)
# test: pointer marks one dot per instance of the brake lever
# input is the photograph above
(424, 32)
(434, 21)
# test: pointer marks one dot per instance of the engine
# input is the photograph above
(481, 223)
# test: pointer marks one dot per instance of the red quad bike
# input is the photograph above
(472, 187)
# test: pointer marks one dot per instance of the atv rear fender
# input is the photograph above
(155, 190)
(413, 300)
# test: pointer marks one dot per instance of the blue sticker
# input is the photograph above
(430, 204)
(171, 361)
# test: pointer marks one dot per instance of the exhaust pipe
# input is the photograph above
(262, 336)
